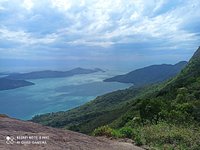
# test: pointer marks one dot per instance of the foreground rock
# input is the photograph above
(24, 135)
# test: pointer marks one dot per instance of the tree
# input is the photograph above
(150, 110)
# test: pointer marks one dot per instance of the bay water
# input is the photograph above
(55, 94)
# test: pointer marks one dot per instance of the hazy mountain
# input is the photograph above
(2, 74)
(150, 74)
(52, 74)
(6, 84)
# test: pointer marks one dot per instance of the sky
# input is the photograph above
(109, 34)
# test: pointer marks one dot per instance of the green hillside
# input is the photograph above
(101, 111)
(166, 119)
(164, 116)
(149, 75)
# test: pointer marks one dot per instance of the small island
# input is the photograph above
(7, 84)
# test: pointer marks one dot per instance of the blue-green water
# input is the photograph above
(55, 94)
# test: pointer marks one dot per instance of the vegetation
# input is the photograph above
(3, 116)
(86, 118)
(158, 136)
(164, 116)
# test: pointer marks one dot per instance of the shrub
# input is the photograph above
(116, 134)
(103, 131)
(3, 116)
(138, 140)
(108, 132)
(126, 132)
(171, 135)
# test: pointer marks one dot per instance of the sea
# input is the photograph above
(56, 94)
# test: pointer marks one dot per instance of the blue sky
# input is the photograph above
(110, 34)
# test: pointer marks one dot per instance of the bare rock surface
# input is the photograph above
(24, 135)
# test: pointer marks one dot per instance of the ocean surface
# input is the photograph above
(55, 94)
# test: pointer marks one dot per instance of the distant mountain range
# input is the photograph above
(52, 74)
(16, 80)
(3, 74)
(149, 75)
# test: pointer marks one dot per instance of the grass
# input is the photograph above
(170, 136)
(161, 136)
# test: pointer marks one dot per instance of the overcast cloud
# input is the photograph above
(124, 34)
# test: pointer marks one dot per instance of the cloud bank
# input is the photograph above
(122, 33)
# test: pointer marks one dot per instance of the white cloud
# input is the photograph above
(100, 23)
(62, 5)
(2, 8)
(104, 44)
(25, 38)
(28, 4)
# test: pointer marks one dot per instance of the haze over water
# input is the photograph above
(55, 94)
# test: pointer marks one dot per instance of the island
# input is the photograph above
(7, 84)
(52, 74)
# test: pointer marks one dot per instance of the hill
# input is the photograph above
(101, 111)
(163, 116)
(24, 135)
(52, 74)
(149, 75)
(168, 118)
(7, 84)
